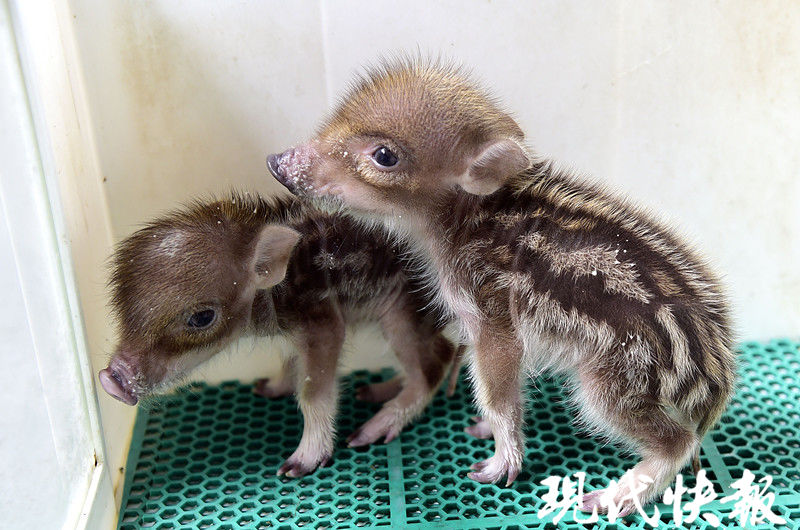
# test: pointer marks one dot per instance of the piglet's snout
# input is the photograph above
(274, 166)
(115, 381)
(292, 169)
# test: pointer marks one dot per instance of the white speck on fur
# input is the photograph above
(172, 243)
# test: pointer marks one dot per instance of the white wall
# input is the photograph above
(690, 107)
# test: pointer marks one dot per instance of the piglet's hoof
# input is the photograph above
(492, 470)
(295, 467)
(272, 389)
(594, 501)
(481, 430)
(385, 424)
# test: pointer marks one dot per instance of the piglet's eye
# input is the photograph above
(202, 319)
(383, 156)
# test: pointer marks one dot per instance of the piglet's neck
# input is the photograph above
(446, 223)
(428, 231)
(263, 320)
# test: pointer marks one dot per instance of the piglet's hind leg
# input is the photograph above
(380, 392)
(665, 444)
(281, 386)
(424, 355)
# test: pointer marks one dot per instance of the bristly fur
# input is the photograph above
(544, 271)
(274, 267)
(250, 210)
(413, 77)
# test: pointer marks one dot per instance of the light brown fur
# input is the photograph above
(543, 271)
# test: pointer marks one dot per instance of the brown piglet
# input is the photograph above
(192, 282)
(545, 272)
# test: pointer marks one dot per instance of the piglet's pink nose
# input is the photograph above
(274, 165)
(112, 383)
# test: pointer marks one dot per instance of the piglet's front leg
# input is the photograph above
(497, 367)
(319, 344)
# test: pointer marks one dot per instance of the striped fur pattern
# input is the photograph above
(274, 268)
(544, 271)
(558, 257)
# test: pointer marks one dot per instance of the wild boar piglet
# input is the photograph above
(192, 282)
(543, 270)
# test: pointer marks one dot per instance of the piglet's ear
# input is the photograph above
(274, 248)
(498, 162)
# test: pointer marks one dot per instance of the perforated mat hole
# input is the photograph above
(246, 521)
(148, 521)
(361, 522)
(430, 490)
(192, 492)
(187, 519)
(238, 432)
(433, 516)
(469, 499)
(413, 512)
(227, 502)
(224, 515)
(304, 521)
(323, 513)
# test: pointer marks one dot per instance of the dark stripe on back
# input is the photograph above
(509, 201)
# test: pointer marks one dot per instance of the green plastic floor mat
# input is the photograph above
(207, 457)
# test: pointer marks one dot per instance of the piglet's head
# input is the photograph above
(183, 288)
(407, 134)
